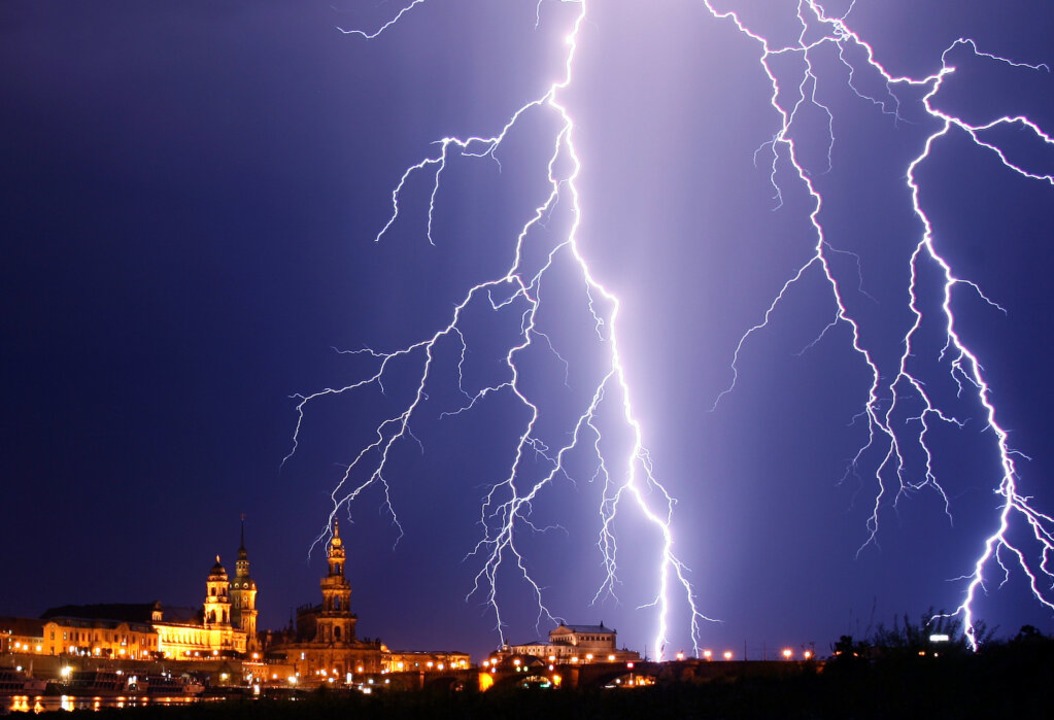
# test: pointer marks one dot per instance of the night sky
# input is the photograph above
(190, 194)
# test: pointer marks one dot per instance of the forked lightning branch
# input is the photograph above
(629, 484)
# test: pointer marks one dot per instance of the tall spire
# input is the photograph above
(242, 565)
(335, 551)
(336, 624)
(243, 595)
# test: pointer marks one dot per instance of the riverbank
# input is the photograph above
(970, 687)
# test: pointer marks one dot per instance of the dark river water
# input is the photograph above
(46, 703)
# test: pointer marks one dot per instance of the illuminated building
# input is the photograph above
(424, 661)
(214, 635)
(243, 597)
(225, 627)
(323, 644)
(576, 643)
(100, 638)
(21, 635)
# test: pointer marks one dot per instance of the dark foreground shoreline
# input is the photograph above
(1018, 686)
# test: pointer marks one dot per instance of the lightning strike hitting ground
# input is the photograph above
(507, 507)
(898, 410)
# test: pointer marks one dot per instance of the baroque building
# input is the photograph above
(58, 634)
(243, 597)
(323, 644)
(213, 635)
(225, 626)
(576, 644)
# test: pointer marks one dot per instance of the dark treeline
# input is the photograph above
(897, 672)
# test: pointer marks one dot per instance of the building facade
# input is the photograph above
(215, 635)
(224, 627)
(100, 638)
(21, 635)
(576, 644)
(323, 644)
(243, 598)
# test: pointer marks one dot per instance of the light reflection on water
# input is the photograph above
(47, 703)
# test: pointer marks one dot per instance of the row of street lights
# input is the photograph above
(786, 654)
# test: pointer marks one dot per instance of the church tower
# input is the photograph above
(336, 623)
(243, 596)
(217, 598)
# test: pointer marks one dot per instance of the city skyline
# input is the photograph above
(192, 199)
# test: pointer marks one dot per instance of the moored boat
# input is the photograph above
(173, 686)
(101, 683)
(15, 682)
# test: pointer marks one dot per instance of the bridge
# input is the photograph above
(528, 671)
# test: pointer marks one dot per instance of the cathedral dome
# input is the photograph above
(218, 572)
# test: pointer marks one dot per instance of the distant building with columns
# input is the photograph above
(576, 644)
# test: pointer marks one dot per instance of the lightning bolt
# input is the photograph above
(626, 479)
(898, 411)
(892, 425)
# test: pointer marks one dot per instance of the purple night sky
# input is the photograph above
(189, 197)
